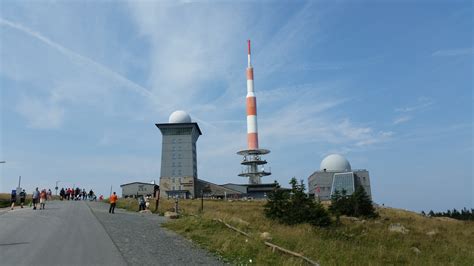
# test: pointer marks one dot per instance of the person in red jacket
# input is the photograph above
(113, 201)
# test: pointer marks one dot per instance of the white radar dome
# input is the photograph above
(180, 117)
(335, 163)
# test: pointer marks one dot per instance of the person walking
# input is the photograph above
(141, 203)
(22, 198)
(147, 202)
(36, 195)
(43, 196)
(113, 201)
(13, 199)
(62, 193)
(49, 195)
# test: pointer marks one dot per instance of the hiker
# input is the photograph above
(141, 203)
(62, 193)
(113, 201)
(43, 196)
(36, 195)
(22, 198)
(13, 199)
(147, 202)
(49, 195)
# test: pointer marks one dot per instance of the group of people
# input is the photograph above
(143, 203)
(37, 197)
(76, 194)
(65, 194)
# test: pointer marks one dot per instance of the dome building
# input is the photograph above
(179, 177)
(336, 174)
(178, 156)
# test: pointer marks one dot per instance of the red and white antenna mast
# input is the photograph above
(252, 161)
(252, 129)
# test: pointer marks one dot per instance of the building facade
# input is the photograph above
(135, 189)
(336, 174)
(178, 175)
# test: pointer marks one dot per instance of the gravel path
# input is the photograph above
(142, 241)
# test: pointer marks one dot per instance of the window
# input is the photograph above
(174, 180)
(343, 181)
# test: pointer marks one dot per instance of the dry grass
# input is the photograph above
(366, 242)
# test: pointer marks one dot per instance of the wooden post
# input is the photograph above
(202, 200)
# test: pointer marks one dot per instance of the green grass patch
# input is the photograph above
(354, 242)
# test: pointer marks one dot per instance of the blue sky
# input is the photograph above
(386, 83)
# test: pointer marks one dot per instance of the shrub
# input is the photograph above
(357, 205)
(295, 207)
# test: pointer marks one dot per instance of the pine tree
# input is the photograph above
(295, 207)
(277, 204)
(362, 203)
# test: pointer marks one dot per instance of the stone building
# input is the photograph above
(179, 156)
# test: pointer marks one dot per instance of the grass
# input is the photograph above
(362, 242)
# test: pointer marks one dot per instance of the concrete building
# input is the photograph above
(254, 191)
(134, 189)
(335, 173)
(179, 156)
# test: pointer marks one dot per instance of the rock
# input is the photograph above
(239, 221)
(145, 211)
(398, 228)
(265, 236)
(349, 218)
(416, 250)
(431, 233)
(171, 215)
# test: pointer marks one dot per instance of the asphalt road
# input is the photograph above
(84, 233)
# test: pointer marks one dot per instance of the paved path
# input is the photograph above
(84, 233)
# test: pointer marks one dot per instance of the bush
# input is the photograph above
(295, 207)
(357, 205)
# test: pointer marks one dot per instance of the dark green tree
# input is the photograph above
(362, 204)
(277, 204)
(358, 204)
(295, 206)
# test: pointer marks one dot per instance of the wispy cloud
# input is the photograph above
(402, 119)
(423, 103)
(454, 52)
(78, 58)
(408, 113)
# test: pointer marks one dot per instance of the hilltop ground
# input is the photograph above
(415, 239)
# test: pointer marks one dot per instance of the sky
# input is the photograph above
(388, 84)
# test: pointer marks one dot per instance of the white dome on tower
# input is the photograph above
(335, 163)
(179, 117)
